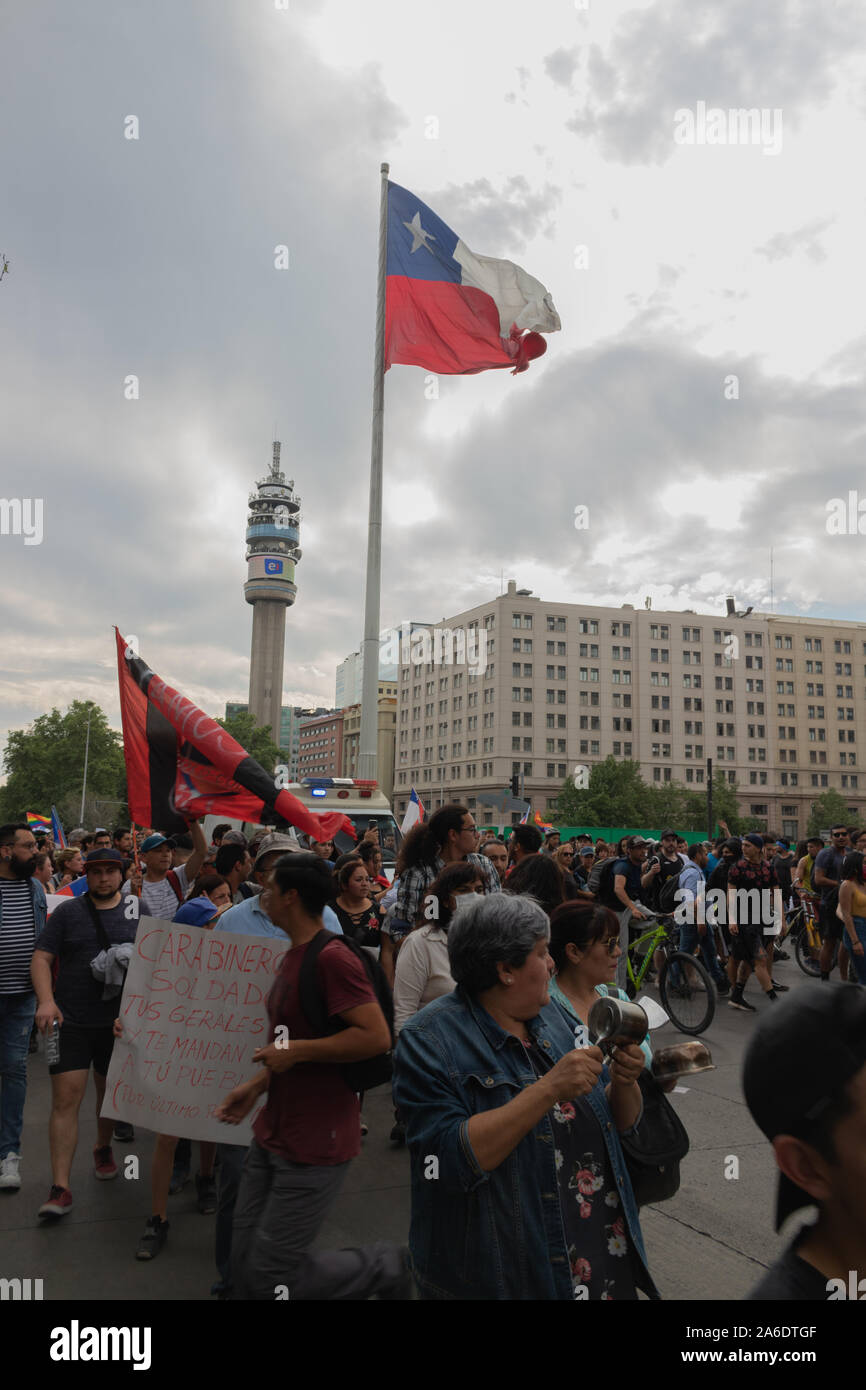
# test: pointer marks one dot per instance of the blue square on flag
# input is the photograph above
(273, 566)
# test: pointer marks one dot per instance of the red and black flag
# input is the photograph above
(181, 765)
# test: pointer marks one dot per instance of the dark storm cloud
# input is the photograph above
(155, 257)
(670, 55)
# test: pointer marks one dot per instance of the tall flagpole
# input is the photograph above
(369, 737)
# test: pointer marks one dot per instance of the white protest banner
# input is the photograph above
(193, 1013)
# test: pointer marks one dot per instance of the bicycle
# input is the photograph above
(809, 940)
(686, 988)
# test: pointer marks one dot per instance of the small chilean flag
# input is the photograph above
(414, 812)
(451, 311)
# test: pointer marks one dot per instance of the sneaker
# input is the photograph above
(58, 1204)
(207, 1194)
(179, 1178)
(780, 989)
(780, 955)
(737, 1001)
(104, 1166)
(10, 1178)
(398, 1135)
(723, 985)
(365, 1129)
(124, 1133)
(154, 1238)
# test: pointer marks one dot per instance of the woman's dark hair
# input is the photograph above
(497, 928)
(368, 851)
(582, 925)
(538, 876)
(735, 845)
(351, 866)
(441, 890)
(425, 841)
(852, 865)
(344, 859)
(311, 878)
(40, 858)
(208, 882)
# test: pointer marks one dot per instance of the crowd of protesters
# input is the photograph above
(478, 966)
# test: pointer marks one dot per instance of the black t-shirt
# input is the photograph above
(782, 866)
(667, 869)
(633, 874)
(830, 862)
(790, 1278)
(71, 936)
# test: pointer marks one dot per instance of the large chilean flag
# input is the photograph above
(451, 311)
(181, 765)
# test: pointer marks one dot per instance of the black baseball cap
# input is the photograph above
(104, 856)
(800, 1058)
(667, 832)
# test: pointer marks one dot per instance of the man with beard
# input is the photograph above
(97, 921)
(22, 917)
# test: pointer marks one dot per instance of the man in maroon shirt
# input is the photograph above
(309, 1130)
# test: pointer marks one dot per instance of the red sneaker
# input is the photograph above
(58, 1204)
(104, 1166)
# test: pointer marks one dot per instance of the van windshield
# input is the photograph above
(388, 835)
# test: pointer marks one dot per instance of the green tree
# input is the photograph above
(45, 766)
(830, 808)
(616, 795)
(725, 806)
(254, 737)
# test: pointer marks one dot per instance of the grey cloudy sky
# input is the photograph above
(533, 133)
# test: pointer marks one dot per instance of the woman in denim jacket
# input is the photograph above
(519, 1186)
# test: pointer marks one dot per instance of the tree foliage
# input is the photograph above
(617, 795)
(45, 766)
(254, 737)
(830, 808)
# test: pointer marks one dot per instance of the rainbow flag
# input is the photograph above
(40, 823)
(542, 824)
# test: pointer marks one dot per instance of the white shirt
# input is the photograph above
(422, 974)
(159, 899)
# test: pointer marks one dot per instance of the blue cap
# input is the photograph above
(197, 912)
(154, 842)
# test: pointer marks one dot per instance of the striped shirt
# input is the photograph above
(415, 882)
(17, 935)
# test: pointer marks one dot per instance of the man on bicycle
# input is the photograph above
(628, 884)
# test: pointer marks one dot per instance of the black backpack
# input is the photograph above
(667, 896)
(604, 892)
(373, 1071)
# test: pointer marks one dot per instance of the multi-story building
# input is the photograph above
(291, 717)
(320, 746)
(777, 702)
(350, 672)
(387, 733)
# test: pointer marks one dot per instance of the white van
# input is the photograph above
(360, 800)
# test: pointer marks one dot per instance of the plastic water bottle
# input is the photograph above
(52, 1044)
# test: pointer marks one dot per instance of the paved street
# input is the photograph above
(711, 1241)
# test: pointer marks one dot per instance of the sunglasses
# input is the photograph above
(610, 944)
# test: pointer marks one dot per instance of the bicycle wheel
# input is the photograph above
(807, 954)
(687, 992)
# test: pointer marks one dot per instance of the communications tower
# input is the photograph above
(272, 553)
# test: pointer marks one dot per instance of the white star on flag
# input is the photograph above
(419, 236)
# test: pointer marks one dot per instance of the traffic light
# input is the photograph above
(515, 785)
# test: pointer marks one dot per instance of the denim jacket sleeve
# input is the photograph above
(437, 1116)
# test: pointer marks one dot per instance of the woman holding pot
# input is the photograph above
(532, 1198)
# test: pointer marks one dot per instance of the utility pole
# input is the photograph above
(709, 798)
(86, 753)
